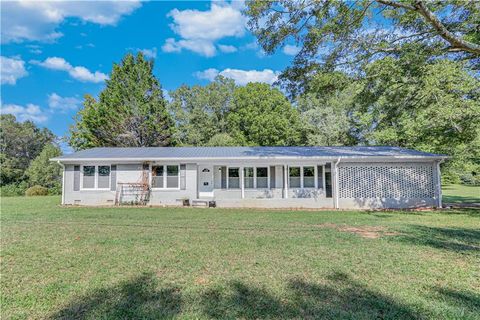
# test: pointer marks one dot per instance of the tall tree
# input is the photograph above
(44, 172)
(130, 112)
(20, 143)
(432, 106)
(325, 109)
(262, 115)
(200, 112)
(349, 33)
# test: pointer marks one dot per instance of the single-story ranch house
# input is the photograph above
(273, 177)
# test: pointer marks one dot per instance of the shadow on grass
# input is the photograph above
(460, 199)
(463, 299)
(133, 299)
(452, 239)
(139, 298)
(341, 298)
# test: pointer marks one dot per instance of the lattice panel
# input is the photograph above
(379, 180)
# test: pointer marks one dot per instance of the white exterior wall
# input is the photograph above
(387, 185)
(364, 185)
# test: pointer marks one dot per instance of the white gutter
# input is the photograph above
(335, 203)
(63, 182)
(229, 159)
(439, 183)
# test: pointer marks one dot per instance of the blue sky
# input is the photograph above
(52, 53)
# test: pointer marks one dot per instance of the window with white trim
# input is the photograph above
(88, 177)
(249, 178)
(262, 177)
(294, 177)
(165, 176)
(302, 177)
(96, 177)
(157, 176)
(173, 176)
(308, 177)
(233, 178)
(103, 179)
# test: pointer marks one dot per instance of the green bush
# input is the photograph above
(36, 191)
(13, 189)
(56, 189)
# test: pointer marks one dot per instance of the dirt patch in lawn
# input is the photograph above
(370, 232)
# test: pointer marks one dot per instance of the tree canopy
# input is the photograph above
(222, 113)
(200, 112)
(349, 34)
(44, 172)
(130, 111)
(20, 143)
(262, 115)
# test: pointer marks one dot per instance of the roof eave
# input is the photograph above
(143, 159)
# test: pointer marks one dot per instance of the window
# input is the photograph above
(103, 177)
(157, 176)
(166, 177)
(249, 178)
(172, 176)
(88, 177)
(309, 177)
(294, 174)
(96, 177)
(233, 178)
(262, 178)
(302, 177)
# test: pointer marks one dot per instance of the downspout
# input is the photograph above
(335, 203)
(439, 184)
(63, 182)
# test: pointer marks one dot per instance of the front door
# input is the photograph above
(205, 181)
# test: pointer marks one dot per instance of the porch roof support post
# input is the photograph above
(439, 184)
(285, 183)
(336, 182)
(242, 181)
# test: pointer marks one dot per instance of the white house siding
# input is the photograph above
(366, 185)
(387, 185)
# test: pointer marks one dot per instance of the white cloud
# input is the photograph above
(227, 48)
(291, 50)
(79, 73)
(11, 69)
(63, 104)
(38, 20)
(30, 112)
(200, 29)
(149, 53)
(208, 74)
(203, 47)
(241, 77)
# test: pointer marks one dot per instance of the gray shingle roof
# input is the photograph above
(243, 152)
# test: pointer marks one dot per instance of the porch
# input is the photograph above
(293, 185)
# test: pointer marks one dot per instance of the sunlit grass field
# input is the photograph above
(153, 263)
(456, 193)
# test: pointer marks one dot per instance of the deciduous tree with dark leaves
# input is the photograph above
(349, 34)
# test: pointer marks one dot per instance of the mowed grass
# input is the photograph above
(154, 263)
(456, 193)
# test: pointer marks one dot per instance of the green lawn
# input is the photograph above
(150, 263)
(456, 193)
